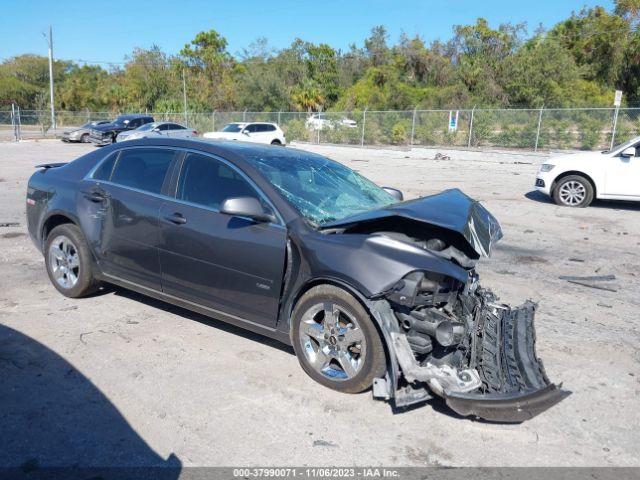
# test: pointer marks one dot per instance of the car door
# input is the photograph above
(230, 264)
(252, 131)
(622, 175)
(177, 131)
(164, 129)
(119, 205)
(264, 134)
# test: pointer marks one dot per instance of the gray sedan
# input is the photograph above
(157, 129)
(81, 134)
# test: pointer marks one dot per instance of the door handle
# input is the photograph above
(176, 218)
(95, 196)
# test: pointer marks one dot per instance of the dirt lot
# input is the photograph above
(121, 379)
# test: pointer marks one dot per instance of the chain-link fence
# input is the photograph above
(531, 129)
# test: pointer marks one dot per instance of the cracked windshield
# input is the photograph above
(320, 189)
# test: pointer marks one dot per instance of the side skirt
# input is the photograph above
(195, 307)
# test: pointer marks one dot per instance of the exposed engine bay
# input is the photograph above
(455, 339)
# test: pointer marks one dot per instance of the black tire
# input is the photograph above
(573, 191)
(84, 138)
(368, 355)
(276, 142)
(85, 282)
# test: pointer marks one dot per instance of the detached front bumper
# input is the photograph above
(101, 141)
(506, 407)
(504, 381)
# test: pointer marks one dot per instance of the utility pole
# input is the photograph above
(184, 97)
(53, 109)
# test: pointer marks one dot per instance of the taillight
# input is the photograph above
(195, 132)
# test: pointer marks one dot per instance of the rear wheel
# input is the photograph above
(84, 138)
(69, 262)
(573, 191)
(276, 142)
(335, 340)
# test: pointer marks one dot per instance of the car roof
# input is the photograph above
(244, 124)
(231, 150)
(134, 115)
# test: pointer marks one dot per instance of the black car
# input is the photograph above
(106, 134)
(371, 291)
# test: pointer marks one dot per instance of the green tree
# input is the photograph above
(149, 77)
(210, 70)
(376, 46)
(479, 52)
(597, 41)
(308, 97)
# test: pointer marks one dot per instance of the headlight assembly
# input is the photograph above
(546, 167)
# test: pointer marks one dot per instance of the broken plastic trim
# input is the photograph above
(513, 407)
(511, 389)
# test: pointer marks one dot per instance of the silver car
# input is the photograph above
(81, 134)
(157, 129)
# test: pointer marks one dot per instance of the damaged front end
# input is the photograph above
(445, 334)
(461, 344)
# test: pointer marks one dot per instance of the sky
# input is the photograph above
(108, 31)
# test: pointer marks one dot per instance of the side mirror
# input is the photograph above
(245, 132)
(246, 207)
(394, 192)
(157, 129)
(629, 152)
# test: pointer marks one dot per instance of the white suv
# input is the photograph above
(256, 132)
(575, 180)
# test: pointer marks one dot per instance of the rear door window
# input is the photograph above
(103, 172)
(143, 168)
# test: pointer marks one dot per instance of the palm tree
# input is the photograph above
(308, 98)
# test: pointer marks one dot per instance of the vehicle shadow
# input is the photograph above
(53, 418)
(610, 204)
(209, 321)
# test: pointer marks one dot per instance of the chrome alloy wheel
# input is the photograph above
(572, 193)
(64, 261)
(332, 341)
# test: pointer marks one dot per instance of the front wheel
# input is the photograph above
(573, 191)
(84, 138)
(335, 340)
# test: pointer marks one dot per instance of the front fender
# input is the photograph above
(372, 263)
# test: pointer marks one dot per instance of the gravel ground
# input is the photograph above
(121, 379)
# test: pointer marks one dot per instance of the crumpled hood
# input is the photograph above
(110, 127)
(451, 209)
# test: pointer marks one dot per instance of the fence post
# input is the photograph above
(473, 111)
(279, 112)
(213, 121)
(615, 126)
(244, 116)
(364, 121)
(19, 124)
(319, 125)
(184, 99)
(413, 125)
(535, 149)
(13, 122)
